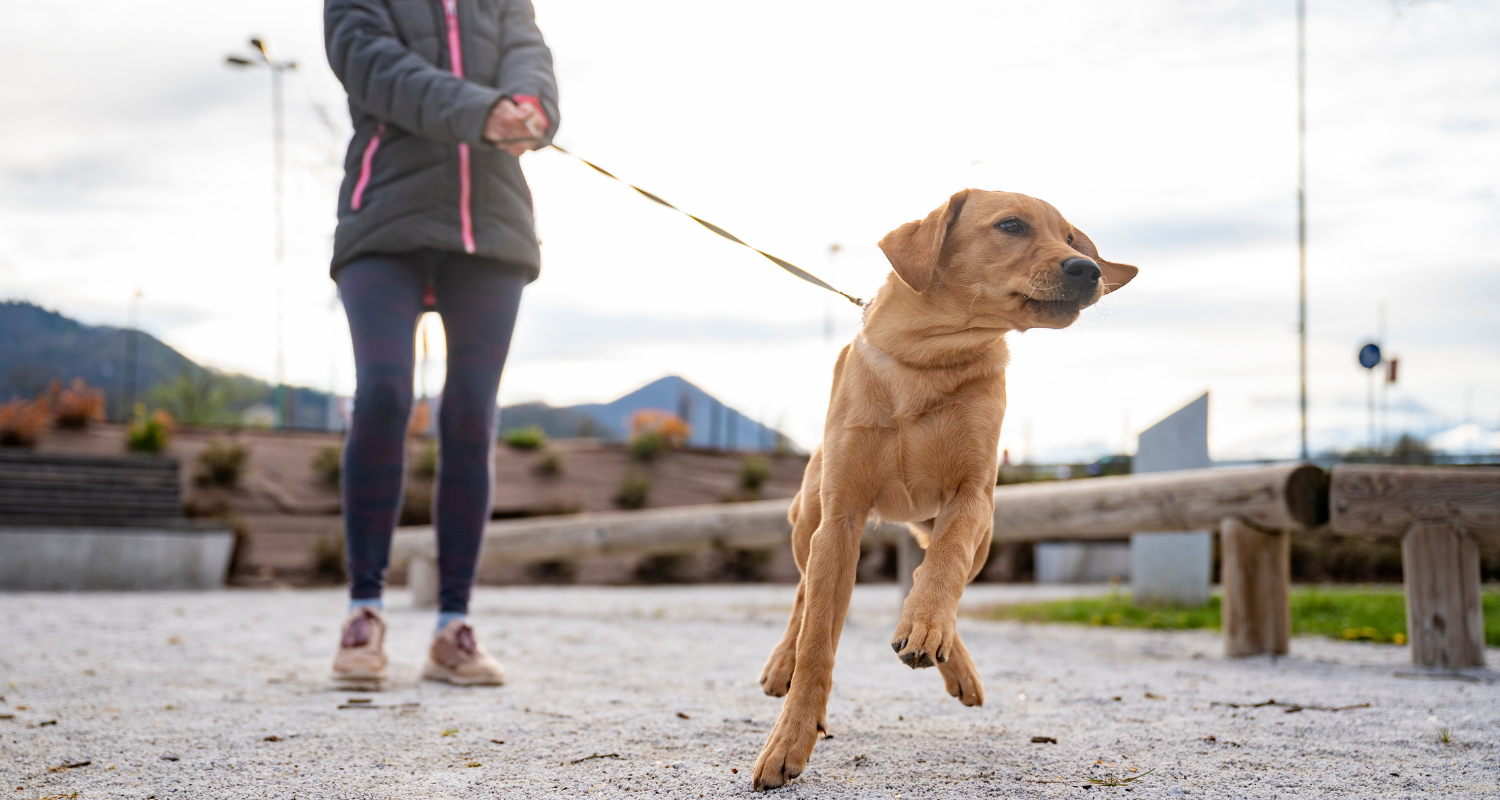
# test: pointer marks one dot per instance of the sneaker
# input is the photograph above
(458, 658)
(361, 647)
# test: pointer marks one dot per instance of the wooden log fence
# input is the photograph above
(1437, 510)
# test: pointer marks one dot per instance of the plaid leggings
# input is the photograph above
(383, 298)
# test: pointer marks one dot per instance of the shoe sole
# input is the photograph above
(360, 676)
(433, 671)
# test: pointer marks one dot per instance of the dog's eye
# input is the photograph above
(1011, 225)
(1070, 238)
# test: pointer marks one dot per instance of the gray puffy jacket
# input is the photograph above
(418, 174)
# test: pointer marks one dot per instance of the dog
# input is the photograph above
(912, 435)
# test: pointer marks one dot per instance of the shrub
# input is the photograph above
(645, 446)
(425, 465)
(548, 465)
(667, 568)
(328, 464)
(328, 558)
(22, 422)
(150, 434)
(635, 489)
(653, 430)
(220, 464)
(531, 437)
(79, 406)
(754, 472)
(416, 505)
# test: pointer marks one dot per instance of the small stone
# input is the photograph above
(170, 757)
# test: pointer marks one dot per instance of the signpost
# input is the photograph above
(1369, 358)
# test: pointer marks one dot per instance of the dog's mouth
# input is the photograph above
(1052, 308)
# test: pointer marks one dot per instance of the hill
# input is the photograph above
(42, 346)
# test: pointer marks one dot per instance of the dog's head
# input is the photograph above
(1002, 260)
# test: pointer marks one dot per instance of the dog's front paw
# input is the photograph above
(776, 675)
(923, 641)
(961, 677)
(787, 750)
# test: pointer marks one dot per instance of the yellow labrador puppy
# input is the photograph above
(912, 431)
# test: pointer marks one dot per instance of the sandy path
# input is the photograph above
(209, 679)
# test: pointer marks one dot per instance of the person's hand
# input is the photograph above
(510, 122)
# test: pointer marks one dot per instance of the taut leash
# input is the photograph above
(780, 262)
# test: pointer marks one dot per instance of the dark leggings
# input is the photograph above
(383, 298)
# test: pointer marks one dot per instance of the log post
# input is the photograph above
(1444, 618)
(909, 556)
(1256, 582)
(422, 581)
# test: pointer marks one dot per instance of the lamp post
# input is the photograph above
(1302, 217)
(262, 58)
(132, 355)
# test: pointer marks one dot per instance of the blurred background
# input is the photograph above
(137, 194)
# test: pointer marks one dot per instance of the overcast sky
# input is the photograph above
(132, 158)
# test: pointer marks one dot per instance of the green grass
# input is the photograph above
(1376, 615)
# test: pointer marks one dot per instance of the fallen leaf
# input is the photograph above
(1150, 696)
(1043, 740)
(498, 741)
(174, 640)
(683, 716)
(271, 739)
(69, 765)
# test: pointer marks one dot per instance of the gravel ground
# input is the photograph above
(624, 691)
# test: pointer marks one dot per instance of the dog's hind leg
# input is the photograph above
(806, 512)
(829, 579)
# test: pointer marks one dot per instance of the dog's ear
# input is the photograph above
(1115, 275)
(914, 248)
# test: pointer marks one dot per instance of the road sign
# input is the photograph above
(1369, 356)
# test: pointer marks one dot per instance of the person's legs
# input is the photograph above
(382, 298)
(478, 304)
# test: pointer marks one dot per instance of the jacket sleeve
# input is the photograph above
(394, 84)
(526, 62)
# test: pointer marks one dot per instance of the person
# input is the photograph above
(434, 214)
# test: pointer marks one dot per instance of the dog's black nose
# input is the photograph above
(1081, 271)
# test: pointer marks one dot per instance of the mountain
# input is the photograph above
(715, 425)
(40, 346)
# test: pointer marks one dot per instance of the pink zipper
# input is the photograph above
(456, 61)
(364, 168)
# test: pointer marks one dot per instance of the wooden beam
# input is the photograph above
(1280, 497)
(1444, 618)
(1257, 579)
(1283, 497)
(1385, 501)
(683, 529)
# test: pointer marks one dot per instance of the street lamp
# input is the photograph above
(262, 58)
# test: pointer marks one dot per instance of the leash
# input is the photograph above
(780, 262)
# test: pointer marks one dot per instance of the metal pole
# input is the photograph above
(280, 158)
(132, 356)
(1302, 216)
(1384, 431)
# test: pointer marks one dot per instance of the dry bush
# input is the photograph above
(78, 406)
(221, 463)
(329, 466)
(22, 422)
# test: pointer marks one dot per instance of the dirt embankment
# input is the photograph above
(290, 513)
